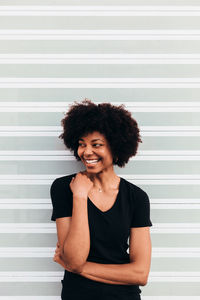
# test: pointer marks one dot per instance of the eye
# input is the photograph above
(81, 144)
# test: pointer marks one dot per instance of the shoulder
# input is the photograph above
(64, 178)
(135, 191)
(62, 181)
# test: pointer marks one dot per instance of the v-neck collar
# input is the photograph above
(114, 204)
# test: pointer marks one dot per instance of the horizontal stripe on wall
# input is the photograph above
(57, 276)
(100, 71)
(95, 35)
(103, 2)
(51, 228)
(99, 23)
(129, 177)
(59, 128)
(50, 251)
(113, 46)
(145, 35)
(68, 153)
(58, 297)
(20, 276)
(46, 298)
(100, 82)
(49, 206)
(64, 158)
(174, 277)
(27, 96)
(153, 179)
(41, 133)
(49, 240)
(100, 59)
(69, 158)
(24, 203)
(131, 106)
(113, 10)
(152, 298)
(53, 143)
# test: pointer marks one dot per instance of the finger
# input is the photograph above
(55, 257)
(58, 254)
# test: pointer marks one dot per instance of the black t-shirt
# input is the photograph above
(109, 230)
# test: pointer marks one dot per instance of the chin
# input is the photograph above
(93, 171)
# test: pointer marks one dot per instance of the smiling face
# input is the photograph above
(95, 152)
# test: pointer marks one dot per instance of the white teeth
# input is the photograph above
(91, 161)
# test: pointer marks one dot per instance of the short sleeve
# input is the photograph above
(141, 210)
(61, 198)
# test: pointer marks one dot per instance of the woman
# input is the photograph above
(96, 211)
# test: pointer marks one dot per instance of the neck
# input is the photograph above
(104, 181)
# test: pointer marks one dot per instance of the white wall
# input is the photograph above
(146, 55)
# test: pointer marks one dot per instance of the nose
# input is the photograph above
(87, 150)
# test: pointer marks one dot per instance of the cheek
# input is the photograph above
(79, 152)
(108, 158)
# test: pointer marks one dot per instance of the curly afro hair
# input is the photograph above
(114, 122)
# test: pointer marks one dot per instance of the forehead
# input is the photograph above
(95, 135)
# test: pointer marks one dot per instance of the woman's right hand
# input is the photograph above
(80, 185)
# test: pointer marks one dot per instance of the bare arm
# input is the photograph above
(127, 273)
(73, 231)
(135, 272)
(58, 259)
(92, 277)
(76, 245)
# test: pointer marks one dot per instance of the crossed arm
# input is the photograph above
(135, 272)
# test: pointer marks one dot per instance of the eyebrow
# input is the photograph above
(92, 140)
